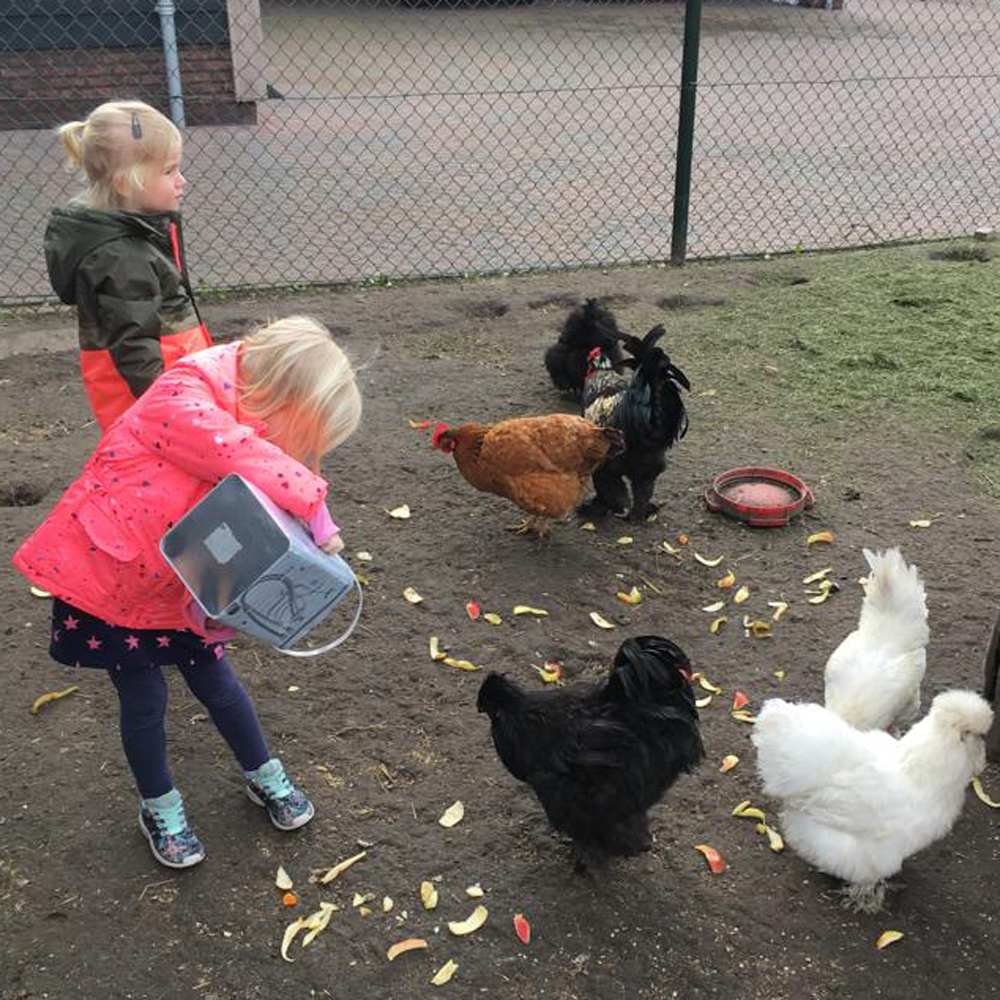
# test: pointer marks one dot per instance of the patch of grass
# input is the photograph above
(873, 335)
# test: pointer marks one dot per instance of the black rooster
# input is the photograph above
(648, 408)
(598, 756)
(588, 326)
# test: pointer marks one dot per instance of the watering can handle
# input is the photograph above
(326, 647)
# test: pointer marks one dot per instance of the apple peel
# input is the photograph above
(473, 922)
(715, 861)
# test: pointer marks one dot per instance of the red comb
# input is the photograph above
(439, 429)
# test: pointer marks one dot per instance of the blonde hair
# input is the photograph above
(119, 141)
(296, 379)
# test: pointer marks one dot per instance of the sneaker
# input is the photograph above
(171, 840)
(269, 787)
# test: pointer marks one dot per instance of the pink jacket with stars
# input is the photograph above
(99, 548)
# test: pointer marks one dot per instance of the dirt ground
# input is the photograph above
(384, 739)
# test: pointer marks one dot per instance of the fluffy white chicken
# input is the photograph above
(873, 677)
(857, 804)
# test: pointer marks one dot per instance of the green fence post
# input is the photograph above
(685, 130)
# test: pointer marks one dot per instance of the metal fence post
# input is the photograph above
(685, 130)
(166, 11)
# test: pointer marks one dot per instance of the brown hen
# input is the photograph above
(542, 464)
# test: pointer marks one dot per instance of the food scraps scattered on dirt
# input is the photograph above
(435, 648)
(401, 513)
(820, 538)
(728, 763)
(281, 879)
(714, 606)
(492, 618)
(428, 895)
(599, 620)
(474, 891)
(977, 787)
(703, 702)
(341, 867)
(290, 899)
(526, 609)
(626, 540)
(444, 974)
(739, 700)
(317, 921)
(412, 595)
(460, 664)
(633, 596)
(887, 938)
(818, 575)
(683, 538)
(780, 607)
(420, 425)
(741, 595)
(38, 592)
(551, 673)
(706, 683)
(774, 839)
(717, 624)
(402, 947)
(708, 562)
(779, 674)
(472, 609)
(725, 582)
(715, 862)
(44, 699)
(472, 922)
(747, 811)
(826, 588)
(744, 716)
(667, 547)
(363, 556)
(453, 814)
(588, 526)
(522, 928)
(758, 628)
(290, 931)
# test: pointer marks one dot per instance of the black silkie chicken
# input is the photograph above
(598, 756)
(586, 327)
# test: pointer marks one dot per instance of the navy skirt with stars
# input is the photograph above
(81, 640)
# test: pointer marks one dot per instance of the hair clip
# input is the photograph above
(136, 127)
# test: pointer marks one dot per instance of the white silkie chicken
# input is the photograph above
(857, 804)
(873, 677)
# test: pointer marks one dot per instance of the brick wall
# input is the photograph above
(44, 89)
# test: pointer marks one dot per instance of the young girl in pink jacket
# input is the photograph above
(268, 407)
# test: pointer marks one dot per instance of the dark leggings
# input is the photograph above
(142, 692)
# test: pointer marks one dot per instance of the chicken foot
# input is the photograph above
(864, 897)
(540, 525)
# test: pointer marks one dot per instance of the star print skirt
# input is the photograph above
(81, 640)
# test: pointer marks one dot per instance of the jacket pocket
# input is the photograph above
(104, 531)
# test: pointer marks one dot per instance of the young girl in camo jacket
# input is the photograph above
(268, 407)
(116, 253)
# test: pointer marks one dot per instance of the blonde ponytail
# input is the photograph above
(116, 146)
(71, 136)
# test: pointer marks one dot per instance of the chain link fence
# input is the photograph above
(334, 140)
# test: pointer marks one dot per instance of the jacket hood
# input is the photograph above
(74, 231)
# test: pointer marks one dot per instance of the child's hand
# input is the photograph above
(333, 545)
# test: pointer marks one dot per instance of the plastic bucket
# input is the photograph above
(249, 564)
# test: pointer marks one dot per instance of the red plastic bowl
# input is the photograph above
(762, 497)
